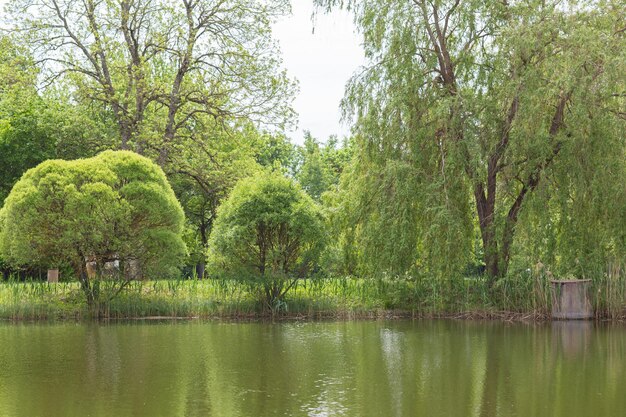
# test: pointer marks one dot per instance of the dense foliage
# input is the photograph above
(502, 121)
(488, 137)
(35, 127)
(161, 68)
(115, 207)
(267, 228)
(322, 165)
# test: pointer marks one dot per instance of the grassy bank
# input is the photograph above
(523, 296)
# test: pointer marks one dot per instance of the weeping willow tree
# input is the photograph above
(463, 110)
(575, 223)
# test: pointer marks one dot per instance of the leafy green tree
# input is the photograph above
(322, 165)
(203, 175)
(270, 229)
(337, 156)
(160, 66)
(115, 207)
(313, 175)
(23, 143)
(34, 126)
(376, 222)
(474, 102)
(275, 151)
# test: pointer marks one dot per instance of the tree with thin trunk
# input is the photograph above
(204, 176)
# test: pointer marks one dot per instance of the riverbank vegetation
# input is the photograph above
(487, 156)
(526, 297)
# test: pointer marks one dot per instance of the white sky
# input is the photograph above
(322, 61)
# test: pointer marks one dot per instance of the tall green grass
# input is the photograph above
(525, 294)
(609, 292)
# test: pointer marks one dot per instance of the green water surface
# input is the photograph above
(378, 369)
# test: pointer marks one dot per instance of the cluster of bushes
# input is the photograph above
(118, 209)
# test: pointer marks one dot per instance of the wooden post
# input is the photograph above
(570, 299)
(53, 275)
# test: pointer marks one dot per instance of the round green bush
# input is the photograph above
(115, 207)
(268, 229)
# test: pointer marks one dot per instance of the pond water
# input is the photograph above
(378, 369)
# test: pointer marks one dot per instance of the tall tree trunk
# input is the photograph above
(125, 134)
(200, 268)
(204, 239)
(486, 213)
(85, 285)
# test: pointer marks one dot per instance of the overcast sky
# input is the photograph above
(322, 61)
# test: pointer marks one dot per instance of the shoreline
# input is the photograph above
(340, 299)
(328, 316)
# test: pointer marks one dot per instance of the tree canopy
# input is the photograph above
(115, 207)
(36, 126)
(268, 228)
(465, 111)
(160, 67)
